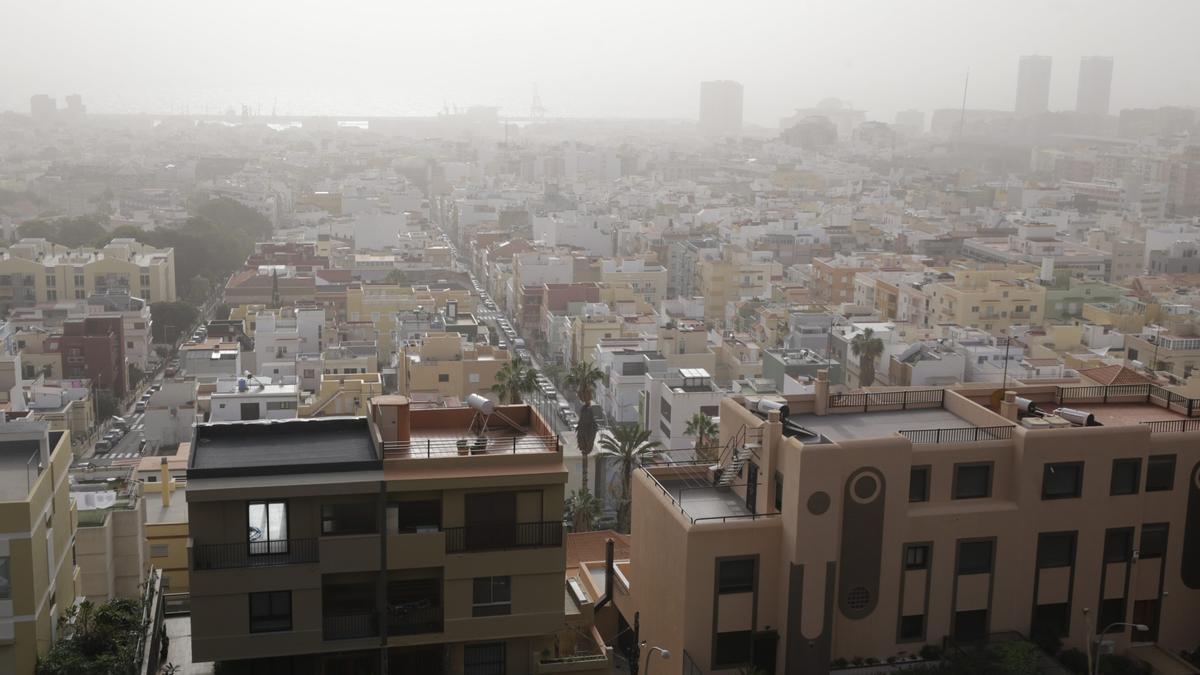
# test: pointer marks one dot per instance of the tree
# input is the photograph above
(554, 372)
(513, 380)
(135, 375)
(69, 232)
(583, 508)
(396, 278)
(96, 639)
(171, 319)
(583, 377)
(866, 347)
(198, 288)
(106, 404)
(706, 432)
(631, 446)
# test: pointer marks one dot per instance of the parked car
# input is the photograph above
(102, 446)
(139, 407)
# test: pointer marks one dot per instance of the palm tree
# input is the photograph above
(867, 348)
(583, 376)
(584, 508)
(705, 430)
(513, 380)
(630, 444)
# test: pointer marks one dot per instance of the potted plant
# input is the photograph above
(462, 446)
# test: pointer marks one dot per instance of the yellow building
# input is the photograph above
(342, 395)
(167, 516)
(443, 364)
(110, 542)
(38, 577)
(730, 280)
(649, 282)
(587, 331)
(380, 304)
(990, 300)
(33, 271)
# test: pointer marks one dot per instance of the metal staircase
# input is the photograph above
(737, 450)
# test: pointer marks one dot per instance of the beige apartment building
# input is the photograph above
(989, 300)
(34, 271)
(870, 525)
(732, 279)
(38, 576)
(446, 365)
(408, 541)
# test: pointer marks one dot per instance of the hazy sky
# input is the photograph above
(626, 58)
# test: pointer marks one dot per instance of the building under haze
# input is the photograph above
(720, 108)
(1033, 85)
(1095, 85)
(41, 107)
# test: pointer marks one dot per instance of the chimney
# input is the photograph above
(1008, 406)
(608, 575)
(821, 392)
(165, 478)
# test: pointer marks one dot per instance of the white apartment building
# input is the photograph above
(672, 398)
(283, 338)
(625, 364)
(252, 398)
(170, 413)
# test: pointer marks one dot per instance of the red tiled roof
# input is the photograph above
(1114, 374)
(589, 546)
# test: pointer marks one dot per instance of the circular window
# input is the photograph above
(865, 486)
(858, 598)
(818, 503)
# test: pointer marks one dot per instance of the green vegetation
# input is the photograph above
(72, 232)
(582, 510)
(583, 377)
(97, 640)
(513, 381)
(866, 347)
(171, 319)
(706, 432)
(631, 446)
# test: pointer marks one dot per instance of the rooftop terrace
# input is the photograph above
(282, 446)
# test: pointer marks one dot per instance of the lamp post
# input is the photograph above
(1100, 638)
(666, 655)
(837, 321)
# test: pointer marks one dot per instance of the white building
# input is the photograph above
(170, 413)
(625, 364)
(252, 398)
(594, 234)
(280, 339)
(673, 398)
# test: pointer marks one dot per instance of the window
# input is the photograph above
(350, 518)
(1055, 549)
(443, 377)
(918, 484)
(5, 578)
(778, 492)
(281, 405)
(731, 649)
(916, 557)
(158, 550)
(1111, 611)
(665, 408)
(1160, 473)
(409, 517)
(972, 481)
(492, 596)
(970, 625)
(484, 659)
(267, 531)
(51, 295)
(1062, 480)
(51, 280)
(473, 378)
(736, 575)
(912, 627)
(1154, 541)
(1126, 476)
(1118, 545)
(975, 557)
(270, 611)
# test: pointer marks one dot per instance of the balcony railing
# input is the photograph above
(450, 447)
(889, 400)
(958, 434)
(1173, 426)
(414, 618)
(1131, 393)
(350, 626)
(254, 554)
(492, 537)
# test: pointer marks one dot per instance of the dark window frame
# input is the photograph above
(492, 606)
(1110, 552)
(1154, 462)
(727, 584)
(916, 556)
(1071, 538)
(958, 556)
(926, 471)
(741, 657)
(905, 632)
(273, 620)
(410, 526)
(1113, 488)
(489, 666)
(336, 525)
(1156, 547)
(960, 467)
(1050, 469)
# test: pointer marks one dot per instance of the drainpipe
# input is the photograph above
(608, 576)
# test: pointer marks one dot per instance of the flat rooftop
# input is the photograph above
(17, 472)
(852, 426)
(282, 446)
(177, 512)
(705, 501)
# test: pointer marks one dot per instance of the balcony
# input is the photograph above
(350, 626)
(254, 554)
(414, 618)
(495, 537)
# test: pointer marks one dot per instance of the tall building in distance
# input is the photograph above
(41, 107)
(1033, 85)
(1095, 85)
(720, 108)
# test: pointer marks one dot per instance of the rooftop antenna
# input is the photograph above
(962, 115)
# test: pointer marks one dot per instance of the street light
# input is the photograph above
(666, 655)
(1100, 639)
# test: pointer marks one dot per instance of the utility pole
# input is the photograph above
(962, 115)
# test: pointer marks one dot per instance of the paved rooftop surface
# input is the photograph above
(17, 473)
(275, 443)
(177, 512)
(852, 426)
(1124, 414)
(706, 501)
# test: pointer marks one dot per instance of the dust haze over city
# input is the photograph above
(572, 337)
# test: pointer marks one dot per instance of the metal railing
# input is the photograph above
(350, 626)
(498, 537)
(678, 503)
(1173, 426)
(254, 554)
(890, 400)
(958, 434)
(450, 447)
(1131, 393)
(413, 619)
